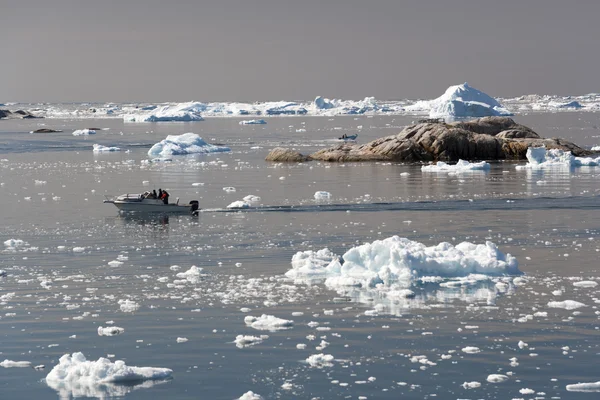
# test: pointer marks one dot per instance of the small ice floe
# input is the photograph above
(471, 385)
(229, 189)
(188, 143)
(540, 157)
(471, 350)
(268, 323)
(522, 344)
(584, 387)
(13, 244)
(15, 364)
(242, 341)
(182, 340)
(460, 166)
(197, 184)
(253, 122)
(192, 275)
(238, 205)
(585, 284)
(128, 305)
(2, 273)
(98, 148)
(321, 195)
(567, 304)
(78, 249)
(497, 378)
(84, 132)
(252, 198)
(115, 263)
(39, 367)
(250, 395)
(526, 391)
(75, 376)
(36, 182)
(320, 360)
(110, 331)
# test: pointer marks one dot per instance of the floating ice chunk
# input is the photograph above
(13, 244)
(253, 122)
(567, 304)
(526, 391)
(522, 344)
(128, 305)
(471, 385)
(268, 322)
(229, 189)
(250, 395)
(471, 350)
(182, 340)
(585, 284)
(320, 195)
(115, 263)
(188, 143)
(84, 132)
(251, 198)
(584, 387)
(183, 112)
(242, 341)
(15, 364)
(192, 275)
(311, 264)
(198, 184)
(110, 331)
(2, 273)
(540, 157)
(238, 205)
(320, 360)
(497, 378)
(460, 166)
(74, 376)
(98, 148)
(78, 249)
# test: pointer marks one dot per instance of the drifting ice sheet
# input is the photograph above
(460, 166)
(188, 143)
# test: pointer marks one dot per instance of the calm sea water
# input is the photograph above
(53, 299)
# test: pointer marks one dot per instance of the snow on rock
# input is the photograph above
(238, 205)
(182, 112)
(250, 395)
(188, 143)
(253, 122)
(268, 322)
(460, 166)
(540, 157)
(397, 261)
(84, 132)
(320, 360)
(567, 304)
(75, 376)
(15, 364)
(110, 331)
(242, 341)
(461, 101)
(321, 195)
(98, 148)
(584, 387)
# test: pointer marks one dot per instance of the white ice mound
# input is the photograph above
(183, 112)
(540, 157)
(15, 364)
(238, 205)
(250, 395)
(320, 360)
(322, 195)
(268, 322)
(98, 148)
(188, 143)
(242, 341)
(398, 261)
(253, 122)
(84, 132)
(460, 166)
(110, 331)
(463, 101)
(79, 377)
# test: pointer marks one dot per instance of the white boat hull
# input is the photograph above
(141, 204)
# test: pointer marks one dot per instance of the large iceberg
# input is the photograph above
(540, 157)
(188, 143)
(461, 101)
(183, 112)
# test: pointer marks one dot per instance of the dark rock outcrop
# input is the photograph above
(489, 138)
(6, 114)
(45, 130)
(285, 155)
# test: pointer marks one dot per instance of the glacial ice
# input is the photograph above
(540, 157)
(15, 364)
(98, 148)
(187, 143)
(183, 112)
(253, 122)
(84, 132)
(110, 331)
(460, 166)
(268, 322)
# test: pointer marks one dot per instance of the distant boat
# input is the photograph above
(346, 138)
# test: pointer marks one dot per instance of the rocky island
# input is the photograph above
(488, 138)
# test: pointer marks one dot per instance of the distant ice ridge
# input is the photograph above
(75, 376)
(188, 143)
(183, 112)
(461, 101)
(398, 262)
(540, 157)
(460, 166)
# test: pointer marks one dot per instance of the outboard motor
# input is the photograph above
(194, 207)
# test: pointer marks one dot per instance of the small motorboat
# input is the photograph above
(147, 203)
(345, 137)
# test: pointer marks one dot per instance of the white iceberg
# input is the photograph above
(238, 205)
(75, 376)
(183, 112)
(188, 143)
(268, 322)
(84, 132)
(242, 341)
(253, 122)
(250, 395)
(397, 262)
(540, 157)
(460, 166)
(322, 195)
(110, 331)
(98, 148)
(461, 101)
(322, 103)
(320, 360)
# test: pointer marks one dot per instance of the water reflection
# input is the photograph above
(81, 388)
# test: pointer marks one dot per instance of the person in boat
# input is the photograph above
(154, 195)
(160, 195)
(165, 197)
(344, 136)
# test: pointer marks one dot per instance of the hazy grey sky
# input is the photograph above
(179, 50)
